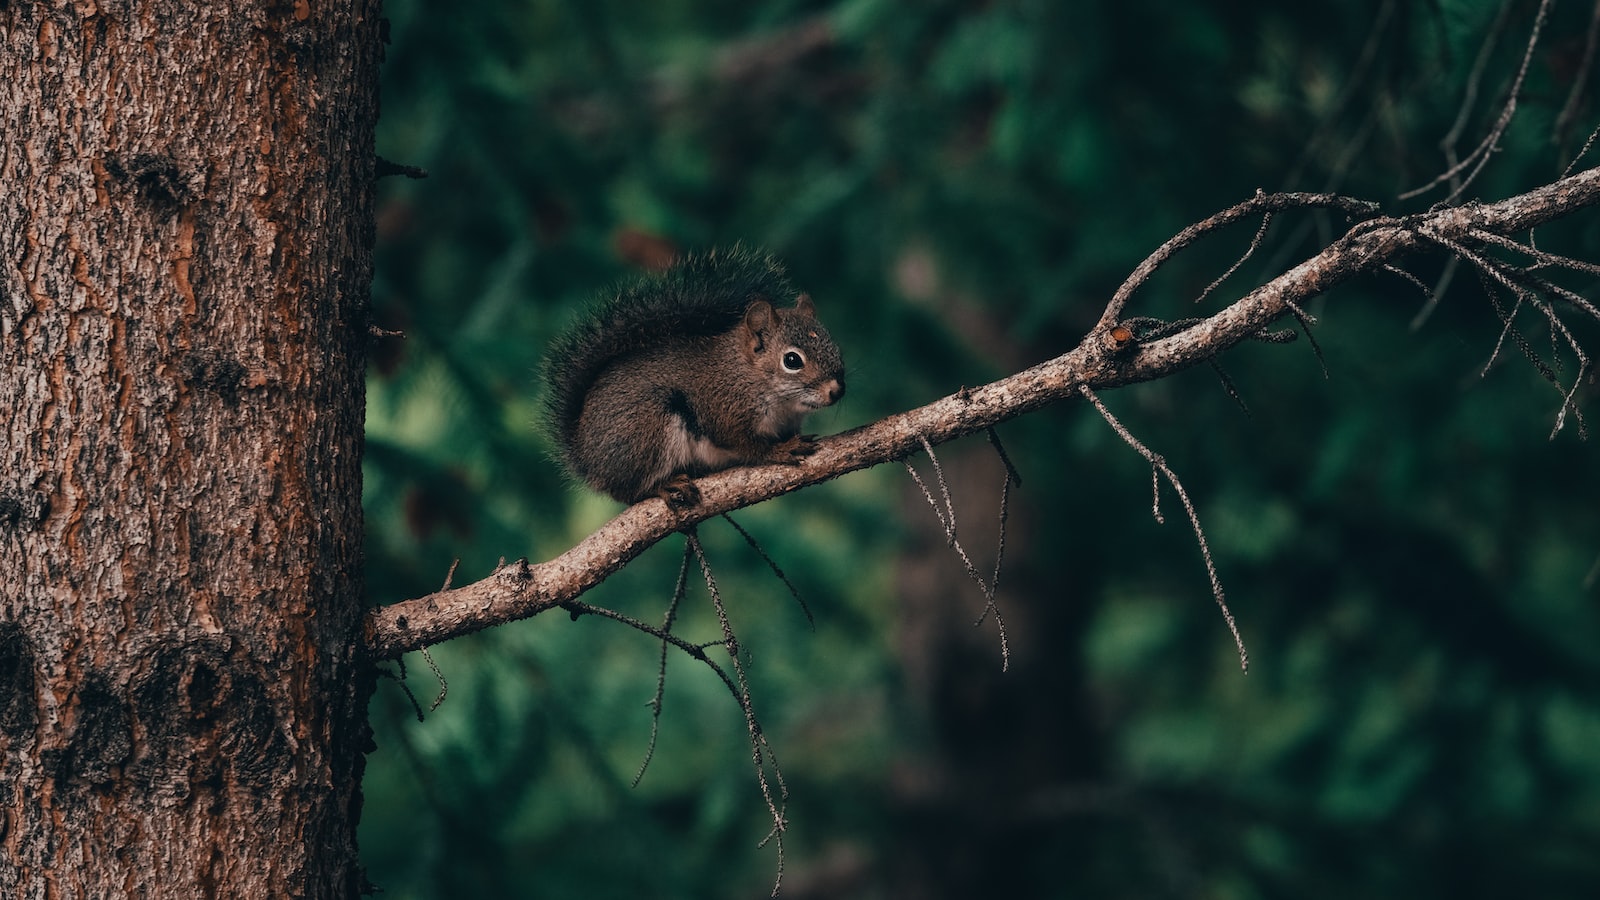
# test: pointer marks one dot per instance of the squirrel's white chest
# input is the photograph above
(687, 451)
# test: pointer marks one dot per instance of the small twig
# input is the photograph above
(1307, 320)
(1158, 464)
(1255, 244)
(695, 651)
(1582, 152)
(1541, 258)
(400, 679)
(1155, 494)
(1431, 295)
(1480, 156)
(1513, 280)
(444, 686)
(1260, 204)
(1508, 328)
(947, 519)
(1480, 66)
(1005, 459)
(1229, 386)
(1545, 286)
(793, 591)
(661, 671)
(760, 750)
(1000, 544)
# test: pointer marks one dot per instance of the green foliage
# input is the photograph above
(960, 186)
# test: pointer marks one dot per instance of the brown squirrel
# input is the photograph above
(687, 373)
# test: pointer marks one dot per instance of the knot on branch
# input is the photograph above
(518, 572)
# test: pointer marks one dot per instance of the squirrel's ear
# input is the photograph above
(805, 307)
(759, 317)
(760, 320)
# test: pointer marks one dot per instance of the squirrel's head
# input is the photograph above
(799, 359)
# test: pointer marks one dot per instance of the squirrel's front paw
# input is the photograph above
(791, 451)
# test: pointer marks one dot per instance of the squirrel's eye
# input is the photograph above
(793, 361)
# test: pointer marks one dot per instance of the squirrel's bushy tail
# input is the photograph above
(699, 295)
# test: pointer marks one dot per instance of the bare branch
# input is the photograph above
(1260, 204)
(1106, 358)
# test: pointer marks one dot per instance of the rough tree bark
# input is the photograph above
(185, 229)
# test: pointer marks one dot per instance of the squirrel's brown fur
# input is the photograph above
(687, 373)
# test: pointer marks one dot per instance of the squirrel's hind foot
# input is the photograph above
(679, 491)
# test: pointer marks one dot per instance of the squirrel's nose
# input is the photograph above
(833, 390)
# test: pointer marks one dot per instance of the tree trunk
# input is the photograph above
(185, 256)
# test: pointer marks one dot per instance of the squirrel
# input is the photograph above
(690, 372)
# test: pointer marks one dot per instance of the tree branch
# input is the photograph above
(1106, 358)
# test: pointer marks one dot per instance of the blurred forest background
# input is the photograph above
(1412, 559)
